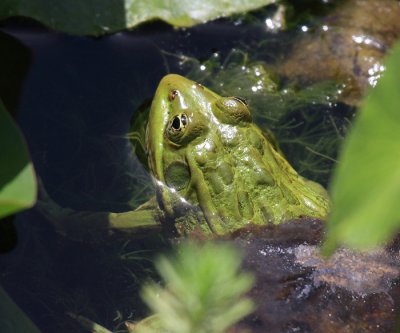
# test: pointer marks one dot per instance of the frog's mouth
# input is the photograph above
(154, 136)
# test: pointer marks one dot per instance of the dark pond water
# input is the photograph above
(74, 98)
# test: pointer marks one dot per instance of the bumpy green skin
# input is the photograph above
(204, 151)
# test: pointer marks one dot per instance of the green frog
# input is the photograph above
(214, 170)
(205, 151)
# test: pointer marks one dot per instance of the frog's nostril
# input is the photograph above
(172, 94)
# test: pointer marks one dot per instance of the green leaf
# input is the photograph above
(366, 184)
(97, 17)
(17, 178)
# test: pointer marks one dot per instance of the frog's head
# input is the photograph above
(177, 116)
(183, 111)
(204, 149)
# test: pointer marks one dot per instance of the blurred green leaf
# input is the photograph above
(366, 185)
(203, 293)
(17, 178)
(97, 17)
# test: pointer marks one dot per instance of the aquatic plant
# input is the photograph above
(203, 291)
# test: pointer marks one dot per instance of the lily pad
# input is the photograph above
(98, 17)
(366, 185)
(17, 177)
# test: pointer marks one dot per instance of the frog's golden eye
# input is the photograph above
(182, 128)
(178, 123)
(232, 110)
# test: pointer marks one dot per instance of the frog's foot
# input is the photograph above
(94, 226)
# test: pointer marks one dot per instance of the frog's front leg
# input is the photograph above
(94, 226)
(199, 185)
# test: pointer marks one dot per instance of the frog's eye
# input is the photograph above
(182, 129)
(241, 99)
(178, 123)
(232, 110)
(176, 127)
